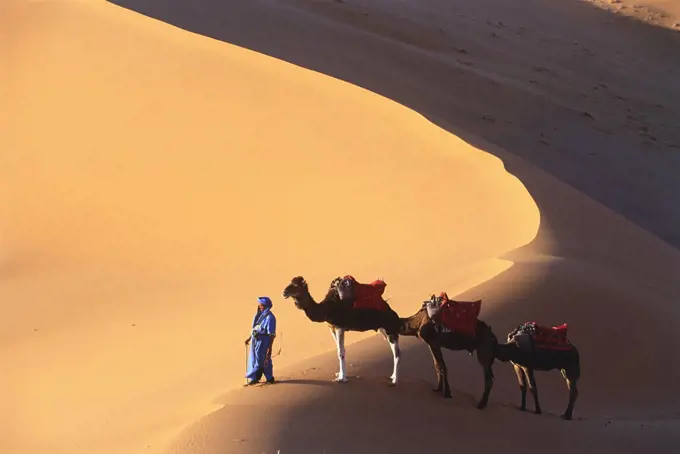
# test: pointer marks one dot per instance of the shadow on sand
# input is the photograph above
(366, 415)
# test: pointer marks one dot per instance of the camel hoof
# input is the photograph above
(447, 396)
(566, 417)
(481, 406)
(340, 380)
(538, 411)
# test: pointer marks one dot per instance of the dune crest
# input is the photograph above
(157, 182)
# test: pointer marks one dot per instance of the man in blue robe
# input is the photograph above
(261, 340)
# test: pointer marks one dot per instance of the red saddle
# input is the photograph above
(460, 316)
(368, 296)
(554, 338)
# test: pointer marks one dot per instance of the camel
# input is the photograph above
(342, 317)
(484, 342)
(526, 358)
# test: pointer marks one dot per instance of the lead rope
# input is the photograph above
(280, 347)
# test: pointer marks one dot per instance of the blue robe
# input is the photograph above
(264, 327)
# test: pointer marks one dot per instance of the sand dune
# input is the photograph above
(161, 181)
(157, 181)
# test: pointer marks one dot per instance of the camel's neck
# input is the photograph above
(411, 326)
(506, 352)
(314, 311)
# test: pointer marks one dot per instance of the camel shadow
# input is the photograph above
(224, 399)
(307, 382)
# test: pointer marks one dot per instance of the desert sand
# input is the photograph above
(663, 13)
(166, 162)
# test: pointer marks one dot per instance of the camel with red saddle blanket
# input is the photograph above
(531, 347)
(350, 306)
(442, 323)
(454, 325)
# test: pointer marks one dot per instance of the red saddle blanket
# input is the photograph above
(554, 338)
(460, 316)
(368, 296)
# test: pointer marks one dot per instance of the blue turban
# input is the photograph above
(265, 301)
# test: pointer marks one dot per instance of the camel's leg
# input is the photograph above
(572, 384)
(437, 371)
(534, 389)
(522, 379)
(335, 340)
(440, 368)
(486, 361)
(340, 343)
(428, 334)
(394, 355)
(393, 339)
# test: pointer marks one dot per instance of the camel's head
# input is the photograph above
(296, 288)
(525, 328)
